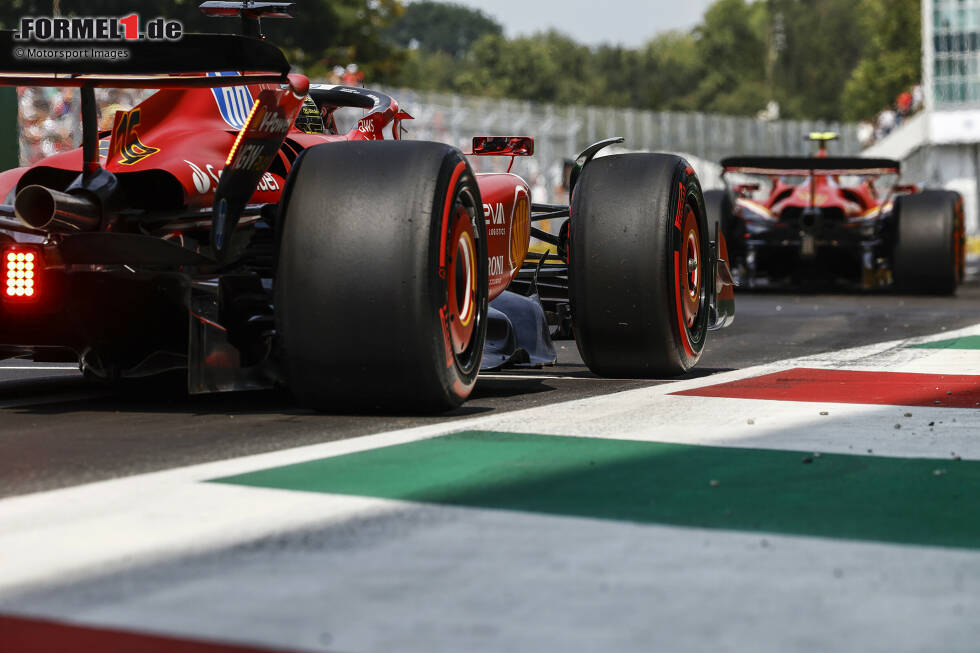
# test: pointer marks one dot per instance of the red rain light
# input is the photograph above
(20, 265)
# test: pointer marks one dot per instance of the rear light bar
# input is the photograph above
(21, 266)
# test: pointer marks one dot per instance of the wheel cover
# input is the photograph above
(462, 281)
(691, 272)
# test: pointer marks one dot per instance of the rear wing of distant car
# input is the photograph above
(806, 166)
(148, 64)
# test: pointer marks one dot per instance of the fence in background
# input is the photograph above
(561, 132)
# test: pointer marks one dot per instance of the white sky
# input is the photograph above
(627, 22)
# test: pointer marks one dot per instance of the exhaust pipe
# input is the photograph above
(56, 212)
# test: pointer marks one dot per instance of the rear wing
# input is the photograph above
(806, 166)
(149, 64)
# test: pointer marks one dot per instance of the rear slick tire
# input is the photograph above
(381, 286)
(929, 249)
(639, 266)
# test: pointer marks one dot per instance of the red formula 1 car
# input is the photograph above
(226, 227)
(816, 221)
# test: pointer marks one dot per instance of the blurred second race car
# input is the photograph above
(844, 221)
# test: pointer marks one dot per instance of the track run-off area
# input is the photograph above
(812, 485)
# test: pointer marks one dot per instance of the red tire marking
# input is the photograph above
(680, 311)
(28, 635)
(445, 212)
(853, 387)
(680, 205)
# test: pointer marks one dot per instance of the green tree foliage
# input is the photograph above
(441, 27)
(323, 34)
(822, 42)
(822, 59)
(892, 59)
(731, 48)
(827, 59)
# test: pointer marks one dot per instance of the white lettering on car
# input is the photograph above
(496, 266)
(203, 184)
(495, 214)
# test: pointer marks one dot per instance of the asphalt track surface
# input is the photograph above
(58, 430)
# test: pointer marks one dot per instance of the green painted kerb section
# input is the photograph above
(966, 342)
(900, 500)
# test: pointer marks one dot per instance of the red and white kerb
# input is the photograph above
(20, 266)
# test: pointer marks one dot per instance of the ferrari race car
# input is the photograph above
(817, 221)
(225, 226)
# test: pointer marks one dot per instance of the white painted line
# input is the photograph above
(37, 367)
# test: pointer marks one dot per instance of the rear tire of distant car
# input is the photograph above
(381, 286)
(929, 249)
(639, 266)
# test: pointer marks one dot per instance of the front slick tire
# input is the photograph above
(639, 266)
(381, 286)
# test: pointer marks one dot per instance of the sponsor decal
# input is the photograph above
(365, 126)
(270, 122)
(496, 266)
(494, 213)
(520, 227)
(205, 182)
(127, 141)
(250, 157)
(234, 102)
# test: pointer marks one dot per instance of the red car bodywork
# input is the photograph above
(187, 134)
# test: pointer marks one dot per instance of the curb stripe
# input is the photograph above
(852, 387)
(28, 635)
(897, 500)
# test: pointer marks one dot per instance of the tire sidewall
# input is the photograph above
(457, 378)
(690, 194)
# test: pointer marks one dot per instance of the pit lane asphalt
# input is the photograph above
(58, 430)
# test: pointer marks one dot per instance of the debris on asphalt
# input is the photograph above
(938, 472)
(750, 421)
(714, 483)
(898, 426)
(908, 415)
(808, 460)
(825, 412)
(932, 423)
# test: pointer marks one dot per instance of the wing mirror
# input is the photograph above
(503, 145)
